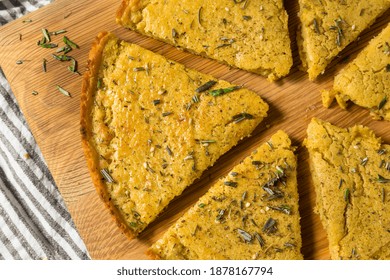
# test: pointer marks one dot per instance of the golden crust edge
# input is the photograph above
(88, 86)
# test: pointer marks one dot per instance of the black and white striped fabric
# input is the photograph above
(34, 222)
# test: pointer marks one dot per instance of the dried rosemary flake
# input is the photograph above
(133, 224)
(174, 33)
(388, 67)
(234, 174)
(269, 226)
(201, 205)
(205, 142)
(222, 91)
(383, 195)
(387, 48)
(382, 180)
(205, 86)
(148, 168)
(138, 69)
(195, 99)
(316, 27)
(19, 62)
(34, 92)
(70, 43)
(221, 212)
(44, 61)
(230, 184)
(165, 114)
(382, 103)
(364, 161)
(246, 18)
(289, 245)
(27, 20)
(169, 151)
(381, 151)
(246, 236)
(200, 16)
(341, 183)
(347, 195)
(106, 175)
(282, 208)
(242, 116)
(260, 239)
(156, 102)
(63, 91)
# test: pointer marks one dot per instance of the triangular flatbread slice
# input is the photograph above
(366, 80)
(351, 175)
(150, 127)
(252, 213)
(250, 35)
(327, 27)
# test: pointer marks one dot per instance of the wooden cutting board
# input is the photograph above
(54, 118)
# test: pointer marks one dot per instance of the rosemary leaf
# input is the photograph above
(382, 180)
(48, 45)
(382, 103)
(242, 116)
(222, 91)
(230, 184)
(70, 43)
(246, 236)
(347, 195)
(206, 86)
(46, 35)
(44, 61)
(63, 91)
(106, 175)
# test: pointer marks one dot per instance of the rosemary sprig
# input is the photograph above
(382, 103)
(222, 91)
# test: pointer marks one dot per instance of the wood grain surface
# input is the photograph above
(54, 118)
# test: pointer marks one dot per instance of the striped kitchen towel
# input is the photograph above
(34, 221)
